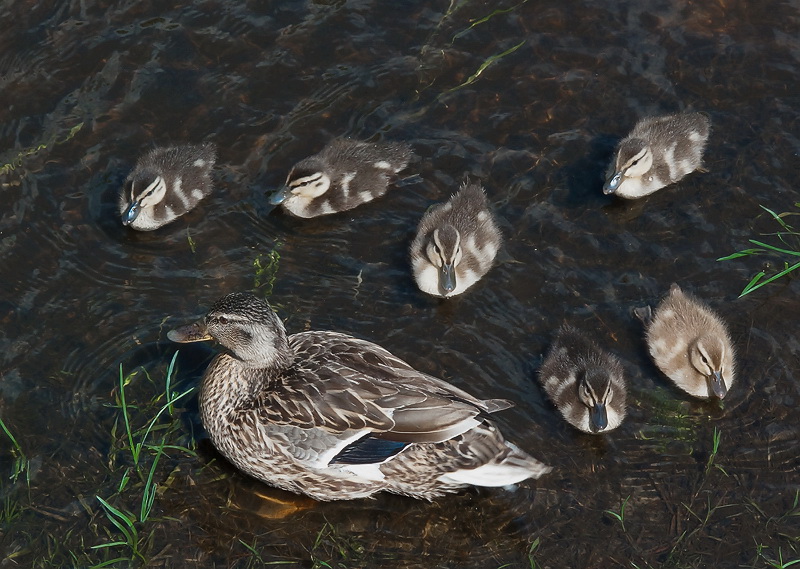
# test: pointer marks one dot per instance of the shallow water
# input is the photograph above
(87, 87)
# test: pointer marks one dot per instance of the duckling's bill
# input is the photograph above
(280, 196)
(598, 417)
(131, 213)
(611, 186)
(191, 333)
(716, 385)
(447, 278)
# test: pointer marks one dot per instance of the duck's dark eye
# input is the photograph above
(222, 320)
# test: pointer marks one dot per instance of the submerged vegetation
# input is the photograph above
(19, 159)
(524, 95)
(266, 271)
(790, 246)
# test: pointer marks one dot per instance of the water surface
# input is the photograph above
(87, 87)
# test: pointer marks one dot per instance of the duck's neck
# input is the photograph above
(233, 383)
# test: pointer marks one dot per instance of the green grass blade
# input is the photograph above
(751, 286)
(743, 253)
(110, 562)
(773, 248)
(110, 544)
(161, 411)
(167, 384)
(10, 436)
(126, 417)
(150, 489)
(117, 518)
(778, 218)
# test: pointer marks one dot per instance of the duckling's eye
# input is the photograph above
(436, 248)
(705, 360)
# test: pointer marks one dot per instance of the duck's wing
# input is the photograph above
(343, 384)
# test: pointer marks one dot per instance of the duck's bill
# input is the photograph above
(447, 278)
(598, 418)
(192, 333)
(716, 385)
(131, 213)
(280, 196)
(612, 185)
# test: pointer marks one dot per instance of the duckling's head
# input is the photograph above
(444, 252)
(594, 391)
(707, 356)
(143, 190)
(246, 326)
(634, 160)
(306, 181)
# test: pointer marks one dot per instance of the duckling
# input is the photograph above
(659, 151)
(690, 344)
(456, 243)
(586, 384)
(165, 184)
(334, 417)
(345, 174)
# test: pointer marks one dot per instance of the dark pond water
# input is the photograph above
(85, 87)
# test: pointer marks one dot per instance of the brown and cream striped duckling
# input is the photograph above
(345, 174)
(586, 384)
(690, 344)
(334, 417)
(456, 243)
(659, 151)
(165, 184)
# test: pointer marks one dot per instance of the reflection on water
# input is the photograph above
(86, 88)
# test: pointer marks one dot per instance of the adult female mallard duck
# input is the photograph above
(690, 344)
(165, 184)
(659, 151)
(456, 243)
(586, 384)
(345, 174)
(334, 417)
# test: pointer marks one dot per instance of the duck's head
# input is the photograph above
(143, 190)
(634, 159)
(707, 356)
(307, 180)
(594, 391)
(246, 326)
(444, 252)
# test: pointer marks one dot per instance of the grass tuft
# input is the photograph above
(717, 437)
(133, 534)
(790, 240)
(620, 516)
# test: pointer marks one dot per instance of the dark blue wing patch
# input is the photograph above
(368, 450)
